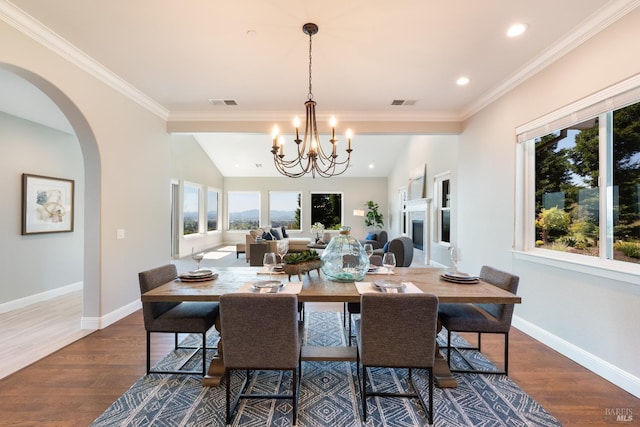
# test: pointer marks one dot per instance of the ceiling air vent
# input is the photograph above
(223, 102)
(403, 102)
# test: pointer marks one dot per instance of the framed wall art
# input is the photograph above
(47, 204)
(417, 188)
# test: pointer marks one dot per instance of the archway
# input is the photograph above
(91, 159)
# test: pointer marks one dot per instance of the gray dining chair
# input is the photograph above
(396, 331)
(481, 319)
(260, 332)
(175, 317)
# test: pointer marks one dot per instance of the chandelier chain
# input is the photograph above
(310, 94)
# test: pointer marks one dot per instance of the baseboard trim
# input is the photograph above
(110, 318)
(606, 370)
(41, 297)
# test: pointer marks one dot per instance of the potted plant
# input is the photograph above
(373, 217)
(301, 263)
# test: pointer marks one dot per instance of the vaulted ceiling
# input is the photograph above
(184, 59)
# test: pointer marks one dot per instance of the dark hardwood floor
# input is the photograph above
(76, 384)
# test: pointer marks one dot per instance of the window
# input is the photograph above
(190, 208)
(326, 208)
(585, 182)
(284, 209)
(212, 210)
(244, 210)
(442, 193)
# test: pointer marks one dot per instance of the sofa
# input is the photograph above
(271, 237)
(376, 238)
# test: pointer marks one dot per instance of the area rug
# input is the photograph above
(329, 395)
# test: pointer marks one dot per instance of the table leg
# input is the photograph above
(441, 373)
(216, 368)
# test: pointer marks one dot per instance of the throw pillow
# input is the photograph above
(284, 233)
(385, 248)
(276, 234)
(267, 236)
(371, 236)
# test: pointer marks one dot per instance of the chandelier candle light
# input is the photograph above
(311, 156)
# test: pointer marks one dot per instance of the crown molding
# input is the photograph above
(600, 20)
(32, 28)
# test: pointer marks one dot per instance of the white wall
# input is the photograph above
(355, 191)
(190, 163)
(440, 154)
(43, 263)
(126, 151)
(589, 318)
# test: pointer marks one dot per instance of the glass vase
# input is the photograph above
(344, 259)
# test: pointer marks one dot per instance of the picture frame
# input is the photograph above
(417, 188)
(47, 204)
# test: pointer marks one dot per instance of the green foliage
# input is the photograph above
(326, 208)
(559, 246)
(630, 249)
(298, 257)
(373, 217)
(553, 222)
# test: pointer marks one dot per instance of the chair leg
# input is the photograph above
(228, 400)
(204, 354)
(506, 353)
(363, 392)
(175, 340)
(350, 321)
(148, 352)
(295, 396)
(430, 415)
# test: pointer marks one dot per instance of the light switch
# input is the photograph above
(120, 233)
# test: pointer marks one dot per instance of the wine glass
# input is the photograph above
(269, 261)
(456, 257)
(282, 248)
(197, 257)
(389, 262)
(368, 249)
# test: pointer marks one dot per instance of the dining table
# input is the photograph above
(315, 287)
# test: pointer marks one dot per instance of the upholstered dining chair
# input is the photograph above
(402, 248)
(481, 319)
(260, 332)
(175, 317)
(397, 331)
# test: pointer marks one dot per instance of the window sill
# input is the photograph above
(608, 269)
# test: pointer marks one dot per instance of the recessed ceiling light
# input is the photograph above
(371, 165)
(251, 33)
(516, 29)
(462, 81)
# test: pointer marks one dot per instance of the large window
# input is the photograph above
(326, 208)
(587, 187)
(284, 209)
(212, 210)
(244, 210)
(191, 208)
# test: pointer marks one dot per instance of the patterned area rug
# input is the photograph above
(329, 395)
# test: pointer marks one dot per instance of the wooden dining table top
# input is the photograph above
(317, 288)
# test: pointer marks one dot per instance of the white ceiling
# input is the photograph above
(179, 54)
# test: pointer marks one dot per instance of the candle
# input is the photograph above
(349, 135)
(333, 123)
(296, 123)
(281, 144)
(274, 135)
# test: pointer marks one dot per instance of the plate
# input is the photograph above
(267, 284)
(388, 284)
(468, 281)
(460, 276)
(197, 274)
(184, 278)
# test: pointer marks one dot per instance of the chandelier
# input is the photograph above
(312, 157)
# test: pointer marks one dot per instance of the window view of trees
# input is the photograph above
(212, 210)
(568, 174)
(244, 210)
(326, 208)
(284, 209)
(190, 208)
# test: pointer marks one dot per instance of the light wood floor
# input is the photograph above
(74, 385)
(31, 333)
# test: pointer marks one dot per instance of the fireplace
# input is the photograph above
(417, 234)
